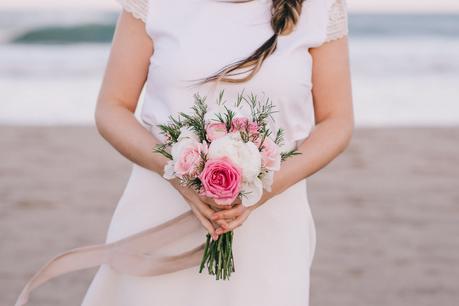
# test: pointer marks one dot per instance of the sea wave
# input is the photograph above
(88, 33)
(397, 24)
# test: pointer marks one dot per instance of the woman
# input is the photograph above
(295, 52)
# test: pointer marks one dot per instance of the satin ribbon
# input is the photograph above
(137, 254)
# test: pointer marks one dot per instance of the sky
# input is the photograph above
(353, 5)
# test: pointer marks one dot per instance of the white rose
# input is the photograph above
(178, 147)
(252, 192)
(267, 179)
(244, 155)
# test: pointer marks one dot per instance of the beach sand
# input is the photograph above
(386, 212)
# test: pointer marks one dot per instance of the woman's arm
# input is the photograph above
(333, 112)
(123, 81)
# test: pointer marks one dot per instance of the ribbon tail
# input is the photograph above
(72, 260)
(137, 254)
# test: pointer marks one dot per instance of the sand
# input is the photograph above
(386, 212)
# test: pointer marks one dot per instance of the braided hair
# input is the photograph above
(285, 15)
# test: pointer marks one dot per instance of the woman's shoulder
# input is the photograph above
(138, 8)
(321, 21)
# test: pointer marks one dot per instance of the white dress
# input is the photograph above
(274, 248)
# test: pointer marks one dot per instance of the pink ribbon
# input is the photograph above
(137, 254)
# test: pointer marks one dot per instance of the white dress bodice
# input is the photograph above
(195, 38)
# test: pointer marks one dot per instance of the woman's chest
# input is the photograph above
(194, 40)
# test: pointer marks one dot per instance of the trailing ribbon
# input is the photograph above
(137, 254)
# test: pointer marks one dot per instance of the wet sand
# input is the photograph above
(386, 212)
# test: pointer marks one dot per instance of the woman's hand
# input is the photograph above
(215, 206)
(201, 210)
(237, 214)
(234, 217)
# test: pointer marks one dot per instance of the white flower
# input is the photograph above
(267, 179)
(252, 192)
(180, 145)
(169, 170)
(243, 154)
(186, 132)
(186, 155)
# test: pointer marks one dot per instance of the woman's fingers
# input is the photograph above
(207, 212)
(204, 221)
(231, 213)
(202, 211)
(235, 223)
(205, 209)
(237, 201)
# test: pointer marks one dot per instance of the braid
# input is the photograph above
(285, 15)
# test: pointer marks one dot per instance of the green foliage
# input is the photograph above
(290, 153)
(172, 129)
(195, 120)
(162, 149)
(279, 140)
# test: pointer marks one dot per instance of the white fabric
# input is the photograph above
(337, 24)
(274, 248)
(138, 8)
(338, 21)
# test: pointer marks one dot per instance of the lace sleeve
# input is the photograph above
(138, 8)
(338, 21)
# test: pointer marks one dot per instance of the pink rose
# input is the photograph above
(270, 155)
(221, 180)
(215, 130)
(189, 159)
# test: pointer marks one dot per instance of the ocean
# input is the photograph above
(405, 67)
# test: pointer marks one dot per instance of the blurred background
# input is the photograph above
(386, 211)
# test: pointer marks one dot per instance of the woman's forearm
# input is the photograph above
(326, 141)
(122, 130)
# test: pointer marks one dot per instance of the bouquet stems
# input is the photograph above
(218, 256)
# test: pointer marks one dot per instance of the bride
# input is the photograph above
(293, 51)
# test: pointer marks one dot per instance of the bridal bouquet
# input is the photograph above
(226, 154)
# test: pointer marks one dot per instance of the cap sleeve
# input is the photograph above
(337, 20)
(138, 8)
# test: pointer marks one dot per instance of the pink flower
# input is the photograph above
(253, 128)
(189, 159)
(239, 124)
(215, 130)
(270, 155)
(221, 180)
(244, 124)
